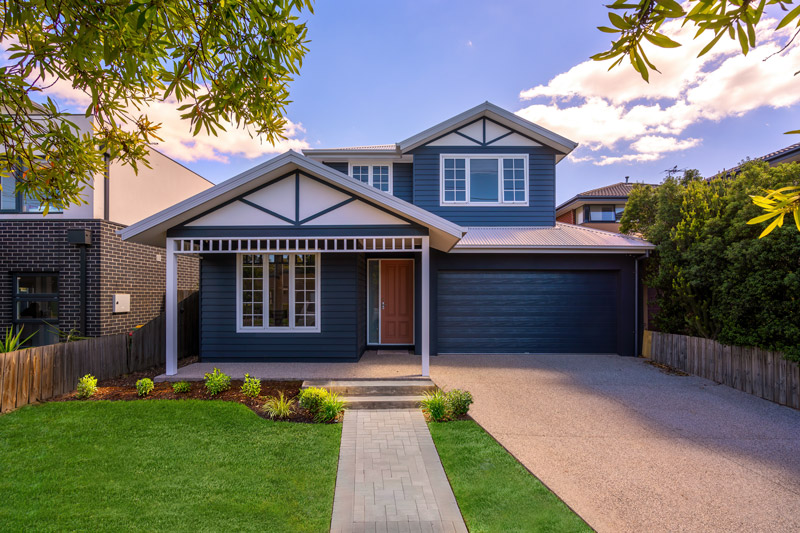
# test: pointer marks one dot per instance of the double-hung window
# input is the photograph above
(484, 180)
(379, 175)
(278, 293)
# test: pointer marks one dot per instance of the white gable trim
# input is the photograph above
(152, 230)
(505, 118)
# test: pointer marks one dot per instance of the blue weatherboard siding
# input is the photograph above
(403, 186)
(542, 192)
(341, 166)
(338, 340)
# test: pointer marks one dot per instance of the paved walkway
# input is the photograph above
(390, 477)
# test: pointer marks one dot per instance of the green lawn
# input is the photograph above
(163, 466)
(494, 491)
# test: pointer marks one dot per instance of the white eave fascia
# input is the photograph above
(180, 211)
(577, 202)
(487, 109)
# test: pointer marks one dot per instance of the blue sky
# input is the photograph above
(378, 72)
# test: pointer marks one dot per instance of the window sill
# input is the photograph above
(278, 330)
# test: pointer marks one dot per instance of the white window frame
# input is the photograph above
(371, 164)
(499, 157)
(240, 328)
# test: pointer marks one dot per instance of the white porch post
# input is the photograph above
(426, 306)
(171, 309)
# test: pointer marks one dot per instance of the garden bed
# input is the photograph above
(123, 388)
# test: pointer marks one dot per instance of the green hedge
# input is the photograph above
(715, 277)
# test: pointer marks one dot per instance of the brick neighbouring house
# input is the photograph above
(40, 269)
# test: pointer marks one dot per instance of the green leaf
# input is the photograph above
(606, 29)
(793, 132)
(789, 18)
(672, 7)
(763, 218)
(742, 39)
(659, 39)
(710, 45)
(618, 21)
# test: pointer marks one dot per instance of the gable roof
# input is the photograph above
(561, 237)
(561, 145)
(153, 229)
(487, 109)
(616, 191)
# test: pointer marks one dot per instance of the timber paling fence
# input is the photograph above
(36, 374)
(755, 371)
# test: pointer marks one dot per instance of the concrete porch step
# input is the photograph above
(382, 402)
(383, 387)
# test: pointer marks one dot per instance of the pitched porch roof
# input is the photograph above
(153, 230)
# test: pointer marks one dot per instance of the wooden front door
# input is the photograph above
(397, 301)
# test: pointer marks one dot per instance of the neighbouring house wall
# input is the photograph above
(341, 166)
(541, 194)
(138, 270)
(339, 336)
(567, 218)
(136, 196)
(113, 266)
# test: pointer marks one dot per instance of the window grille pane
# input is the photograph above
(361, 173)
(513, 180)
(455, 180)
(304, 295)
(252, 290)
(380, 177)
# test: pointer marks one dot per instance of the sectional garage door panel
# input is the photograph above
(522, 311)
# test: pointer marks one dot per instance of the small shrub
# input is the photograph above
(434, 404)
(87, 386)
(279, 407)
(251, 386)
(311, 399)
(144, 386)
(329, 408)
(181, 387)
(217, 382)
(458, 402)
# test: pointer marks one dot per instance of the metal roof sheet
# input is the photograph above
(560, 236)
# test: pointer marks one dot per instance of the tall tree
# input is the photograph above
(635, 22)
(225, 61)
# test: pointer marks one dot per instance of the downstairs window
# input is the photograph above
(278, 293)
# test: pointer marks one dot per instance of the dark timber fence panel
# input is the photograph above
(37, 374)
(755, 371)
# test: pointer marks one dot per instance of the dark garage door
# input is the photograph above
(527, 311)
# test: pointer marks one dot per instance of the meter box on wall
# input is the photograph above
(122, 303)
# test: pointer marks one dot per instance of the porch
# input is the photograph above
(374, 364)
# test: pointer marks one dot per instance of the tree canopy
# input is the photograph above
(225, 61)
(715, 279)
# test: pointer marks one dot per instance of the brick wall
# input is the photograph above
(113, 266)
(568, 217)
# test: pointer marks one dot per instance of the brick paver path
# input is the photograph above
(390, 477)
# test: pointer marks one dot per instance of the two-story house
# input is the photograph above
(445, 242)
(599, 208)
(69, 271)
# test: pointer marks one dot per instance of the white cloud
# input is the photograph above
(601, 109)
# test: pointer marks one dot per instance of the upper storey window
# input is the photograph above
(377, 174)
(15, 202)
(484, 180)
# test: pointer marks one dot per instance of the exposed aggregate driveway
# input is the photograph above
(632, 448)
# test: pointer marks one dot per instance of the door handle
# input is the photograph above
(383, 304)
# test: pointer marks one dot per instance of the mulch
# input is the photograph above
(667, 369)
(123, 388)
